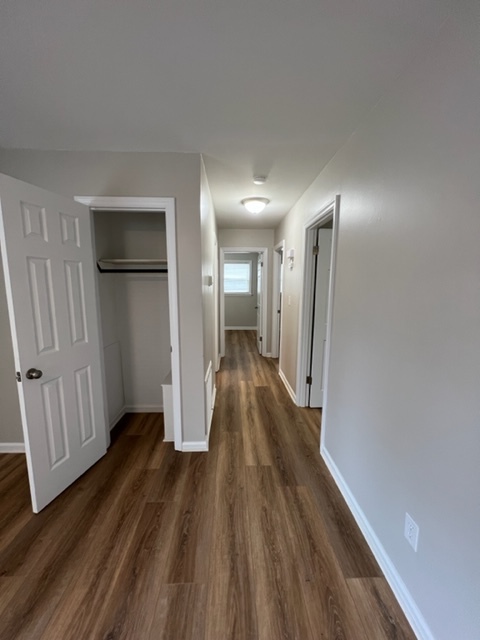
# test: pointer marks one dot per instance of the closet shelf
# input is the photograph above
(132, 265)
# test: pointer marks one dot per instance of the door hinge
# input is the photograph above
(316, 250)
(18, 376)
(261, 264)
(260, 339)
(309, 379)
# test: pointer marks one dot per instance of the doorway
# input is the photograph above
(277, 301)
(244, 292)
(165, 206)
(320, 244)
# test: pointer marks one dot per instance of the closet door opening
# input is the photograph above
(137, 293)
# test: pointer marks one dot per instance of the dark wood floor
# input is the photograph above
(249, 541)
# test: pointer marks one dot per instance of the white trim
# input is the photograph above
(291, 392)
(240, 328)
(117, 419)
(214, 397)
(216, 302)
(144, 408)
(219, 362)
(210, 395)
(269, 355)
(402, 594)
(124, 202)
(332, 210)
(168, 206)
(198, 445)
(223, 251)
(278, 266)
(12, 447)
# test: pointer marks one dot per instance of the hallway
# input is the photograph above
(250, 541)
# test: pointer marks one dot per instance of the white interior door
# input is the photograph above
(259, 303)
(47, 254)
(319, 333)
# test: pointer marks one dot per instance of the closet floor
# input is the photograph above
(249, 541)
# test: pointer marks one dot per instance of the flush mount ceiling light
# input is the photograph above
(255, 205)
(259, 179)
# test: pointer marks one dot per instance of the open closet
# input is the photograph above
(94, 325)
(132, 274)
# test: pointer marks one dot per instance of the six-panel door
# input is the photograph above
(46, 245)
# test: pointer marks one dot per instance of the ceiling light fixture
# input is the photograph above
(259, 179)
(255, 205)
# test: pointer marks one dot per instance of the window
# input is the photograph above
(237, 277)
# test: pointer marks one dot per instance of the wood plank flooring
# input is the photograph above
(250, 541)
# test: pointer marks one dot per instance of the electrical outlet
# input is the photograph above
(411, 531)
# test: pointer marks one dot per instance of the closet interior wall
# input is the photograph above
(134, 312)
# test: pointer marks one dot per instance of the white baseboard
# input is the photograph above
(268, 355)
(214, 396)
(402, 594)
(219, 362)
(135, 408)
(144, 408)
(12, 447)
(117, 418)
(200, 445)
(291, 392)
(241, 328)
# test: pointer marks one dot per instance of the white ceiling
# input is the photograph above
(258, 86)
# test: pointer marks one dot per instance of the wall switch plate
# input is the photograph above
(411, 531)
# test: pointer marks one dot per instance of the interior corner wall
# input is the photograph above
(402, 422)
(10, 419)
(73, 173)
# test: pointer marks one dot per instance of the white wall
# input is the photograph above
(252, 238)
(240, 310)
(144, 333)
(403, 417)
(210, 282)
(10, 419)
(130, 234)
(141, 174)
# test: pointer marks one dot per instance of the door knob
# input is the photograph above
(34, 374)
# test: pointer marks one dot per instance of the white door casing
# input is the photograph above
(166, 205)
(264, 301)
(277, 299)
(46, 244)
(329, 212)
(259, 305)
(320, 308)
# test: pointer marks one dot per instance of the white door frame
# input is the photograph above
(216, 298)
(278, 266)
(166, 205)
(223, 251)
(331, 211)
